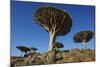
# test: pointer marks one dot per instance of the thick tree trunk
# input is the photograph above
(25, 53)
(21, 55)
(51, 42)
(85, 45)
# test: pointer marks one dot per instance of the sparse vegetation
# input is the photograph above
(75, 55)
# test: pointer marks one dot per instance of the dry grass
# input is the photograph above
(71, 56)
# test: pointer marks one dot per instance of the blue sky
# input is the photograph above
(24, 31)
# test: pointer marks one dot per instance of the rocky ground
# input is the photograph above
(65, 56)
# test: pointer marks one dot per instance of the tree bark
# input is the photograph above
(51, 42)
(85, 45)
(21, 55)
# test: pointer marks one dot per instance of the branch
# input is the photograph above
(85, 37)
(61, 23)
(55, 23)
(43, 24)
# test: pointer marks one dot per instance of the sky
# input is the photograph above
(25, 32)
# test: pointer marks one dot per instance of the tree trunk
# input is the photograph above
(85, 45)
(25, 53)
(51, 42)
(21, 55)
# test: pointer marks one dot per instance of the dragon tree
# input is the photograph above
(58, 45)
(55, 21)
(83, 37)
(23, 49)
(33, 49)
